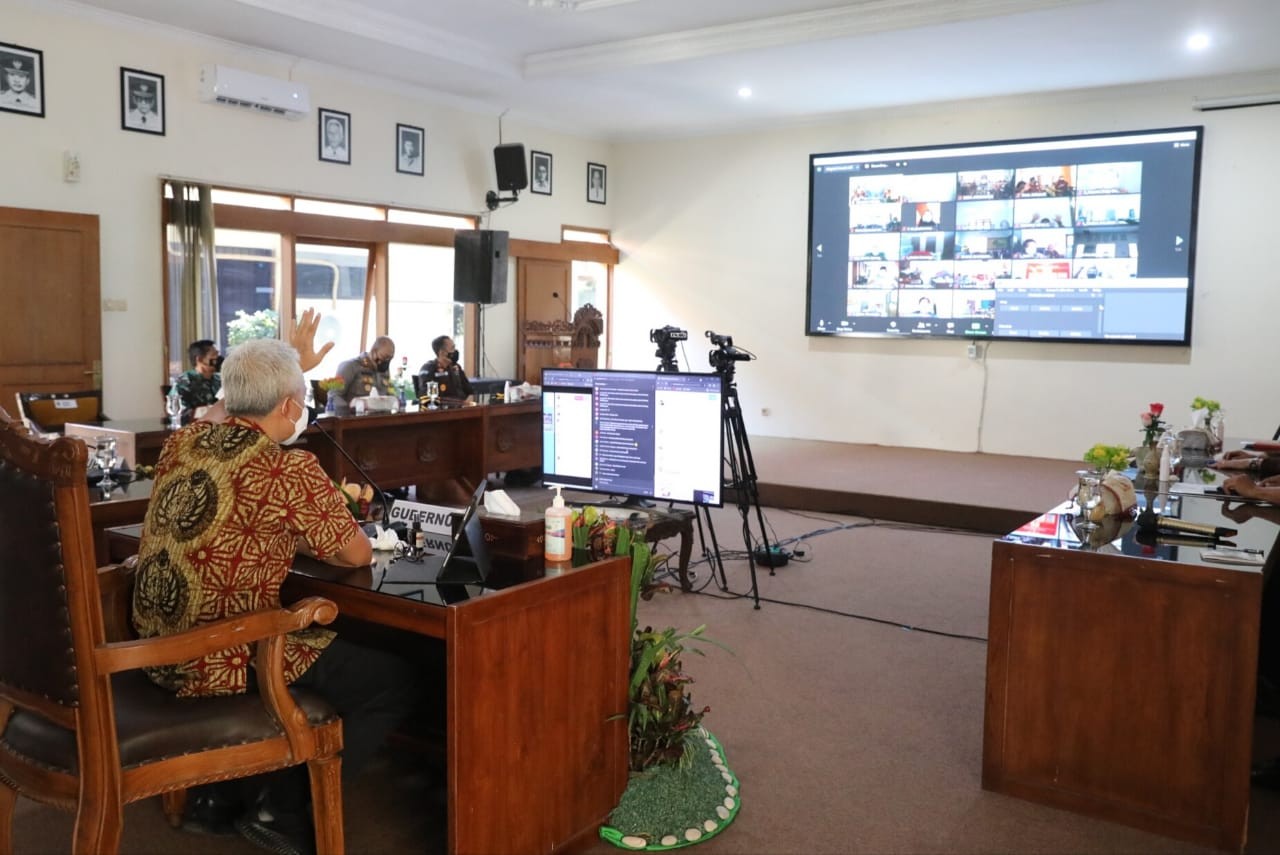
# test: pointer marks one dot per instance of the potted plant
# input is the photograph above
(663, 725)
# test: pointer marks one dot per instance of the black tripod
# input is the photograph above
(741, 479)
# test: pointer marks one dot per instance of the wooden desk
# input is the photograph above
(536, 695)
(1120, 684)
(429, 447)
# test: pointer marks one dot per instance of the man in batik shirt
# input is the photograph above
(229, 509)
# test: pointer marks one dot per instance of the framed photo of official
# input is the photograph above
(335, 136)
(141, 101)
(540, 169)
(596, 174)
(21, 80)
(410, 147)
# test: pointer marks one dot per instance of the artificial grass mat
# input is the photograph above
(668, 807)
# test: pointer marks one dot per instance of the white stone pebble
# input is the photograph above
(633, 842)
(731, 790)
(670, 840)
(692, 834)
(726, 776)
(728, 803)
(711, 742)
(709, 825)
(722, 811)
(720, 767)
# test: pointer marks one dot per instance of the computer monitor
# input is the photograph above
(634, 434)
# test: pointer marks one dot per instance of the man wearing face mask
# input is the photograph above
(366, 373)
(229, 510)
(445, 370)
(198, 388)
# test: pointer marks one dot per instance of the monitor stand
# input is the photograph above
(628, 502)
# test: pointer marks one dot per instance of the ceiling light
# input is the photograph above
(744, 91)
(1197, 41)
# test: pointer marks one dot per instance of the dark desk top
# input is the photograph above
(1258, 529)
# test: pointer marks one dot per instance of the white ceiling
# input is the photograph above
(631, 69)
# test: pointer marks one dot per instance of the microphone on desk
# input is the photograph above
(386, 503)
(1150, 520)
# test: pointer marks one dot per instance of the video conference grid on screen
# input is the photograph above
(645, 434)
(1071, 238)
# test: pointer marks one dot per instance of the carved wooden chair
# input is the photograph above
(81, 728)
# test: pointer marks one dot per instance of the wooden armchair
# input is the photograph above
(81, 727)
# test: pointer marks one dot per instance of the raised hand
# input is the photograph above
(303, 339)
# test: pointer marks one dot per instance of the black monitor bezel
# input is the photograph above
(1192, 241)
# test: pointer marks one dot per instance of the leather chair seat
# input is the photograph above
(152, 723)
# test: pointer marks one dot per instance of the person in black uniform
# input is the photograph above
(445, 370)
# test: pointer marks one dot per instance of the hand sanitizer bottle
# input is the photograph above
(556, 543)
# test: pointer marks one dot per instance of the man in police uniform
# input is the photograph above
(142, 99)
(367, 372)
(17, 92)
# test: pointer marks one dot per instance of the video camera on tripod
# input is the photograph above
(726, 354)
(665, 338)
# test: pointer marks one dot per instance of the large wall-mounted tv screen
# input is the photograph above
(1082, 238)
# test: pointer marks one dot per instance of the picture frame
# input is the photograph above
(540, 174)
(411, 155)
(141, 101)
(333, 129)
(21, 80)
(597, 182)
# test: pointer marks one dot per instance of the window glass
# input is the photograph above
(590, 284)
(423, 218)
(420, 303)
(587, 235)
(248, 271)
(332, 280)
(339, 209)
(250, 200)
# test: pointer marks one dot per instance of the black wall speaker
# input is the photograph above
(479, 266)
(509, 163)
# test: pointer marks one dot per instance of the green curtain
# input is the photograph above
(193, 283)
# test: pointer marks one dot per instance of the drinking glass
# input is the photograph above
(433, 394)
(105, 452)
(173, 409)
(1088, 497)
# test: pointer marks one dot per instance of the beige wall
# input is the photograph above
(714, 231)
(83, 52)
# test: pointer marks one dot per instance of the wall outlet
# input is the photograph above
(765, 411)
(110, 305)
(974, 353)
(70, 166)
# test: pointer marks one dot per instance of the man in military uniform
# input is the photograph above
(17, 92)
(142, 100)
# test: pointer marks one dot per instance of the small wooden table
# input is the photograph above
(1121, 679)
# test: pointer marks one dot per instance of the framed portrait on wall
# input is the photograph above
(335, 136)
(596, 174)
(141, 101)
(540, 170)
(21, 80)
(410, 153)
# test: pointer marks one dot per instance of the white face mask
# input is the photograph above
(299, 424)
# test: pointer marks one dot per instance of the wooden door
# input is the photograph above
(543, 289)
(51, 329)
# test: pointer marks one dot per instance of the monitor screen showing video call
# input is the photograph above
(1081, 238)
(633, 434)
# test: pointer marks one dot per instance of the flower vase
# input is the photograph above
(330, 406)
(1217, 429)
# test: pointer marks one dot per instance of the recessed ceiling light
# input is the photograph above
(744, 91)
(1197, 41)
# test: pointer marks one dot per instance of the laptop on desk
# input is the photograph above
(448, 576)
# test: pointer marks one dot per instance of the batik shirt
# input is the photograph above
(196, 390)
(220, 534)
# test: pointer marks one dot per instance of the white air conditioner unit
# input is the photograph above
(222, 85)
